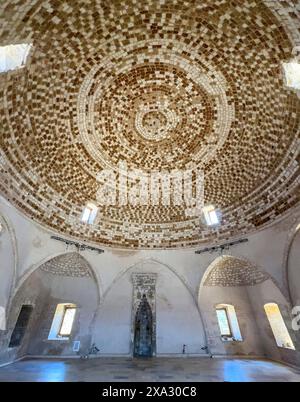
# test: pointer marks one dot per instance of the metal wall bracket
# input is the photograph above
(79, 246)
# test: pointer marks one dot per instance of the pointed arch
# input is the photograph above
(156, 262)
(57, 280)
(121, 288)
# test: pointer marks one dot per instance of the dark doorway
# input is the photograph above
(20, 327)
(143, 330)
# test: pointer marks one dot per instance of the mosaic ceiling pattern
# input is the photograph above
(160, 85)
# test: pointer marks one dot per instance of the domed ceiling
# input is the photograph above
(161, 86)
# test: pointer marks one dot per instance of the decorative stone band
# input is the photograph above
(143, 284)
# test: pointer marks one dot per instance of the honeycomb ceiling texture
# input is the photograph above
(160, 85)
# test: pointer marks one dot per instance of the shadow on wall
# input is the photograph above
(238, 283)
(66, 279)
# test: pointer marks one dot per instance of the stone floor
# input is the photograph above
(156, 370)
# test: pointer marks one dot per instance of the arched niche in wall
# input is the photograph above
(238, 282)
(67, 279)
(293, 268)
(8, 255)
(178, 320)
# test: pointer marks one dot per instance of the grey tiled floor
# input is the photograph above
(154, 370)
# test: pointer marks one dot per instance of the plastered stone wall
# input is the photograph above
(181, 319)
(43, 291)
(233, 281)
(178, 320)
(82, 292)
(34, 293)
(210, 297)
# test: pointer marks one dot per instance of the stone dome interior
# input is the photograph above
(158, 86)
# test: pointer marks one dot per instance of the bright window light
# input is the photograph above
(278, 326)
(89, 214)
(67, 322)
(211, 215)
(2, 319)
(292, 74)
(228, 323)
(223, 322)
(62, 323)
(13, 57)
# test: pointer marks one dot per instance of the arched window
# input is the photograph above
(278, 326)
(62, 322)
(228, 323)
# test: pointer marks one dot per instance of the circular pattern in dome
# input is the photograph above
(174, 107)
(155, 122)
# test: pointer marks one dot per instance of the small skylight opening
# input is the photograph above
(292, 74)
(89, 213)
(210, 214)
(13, 57)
